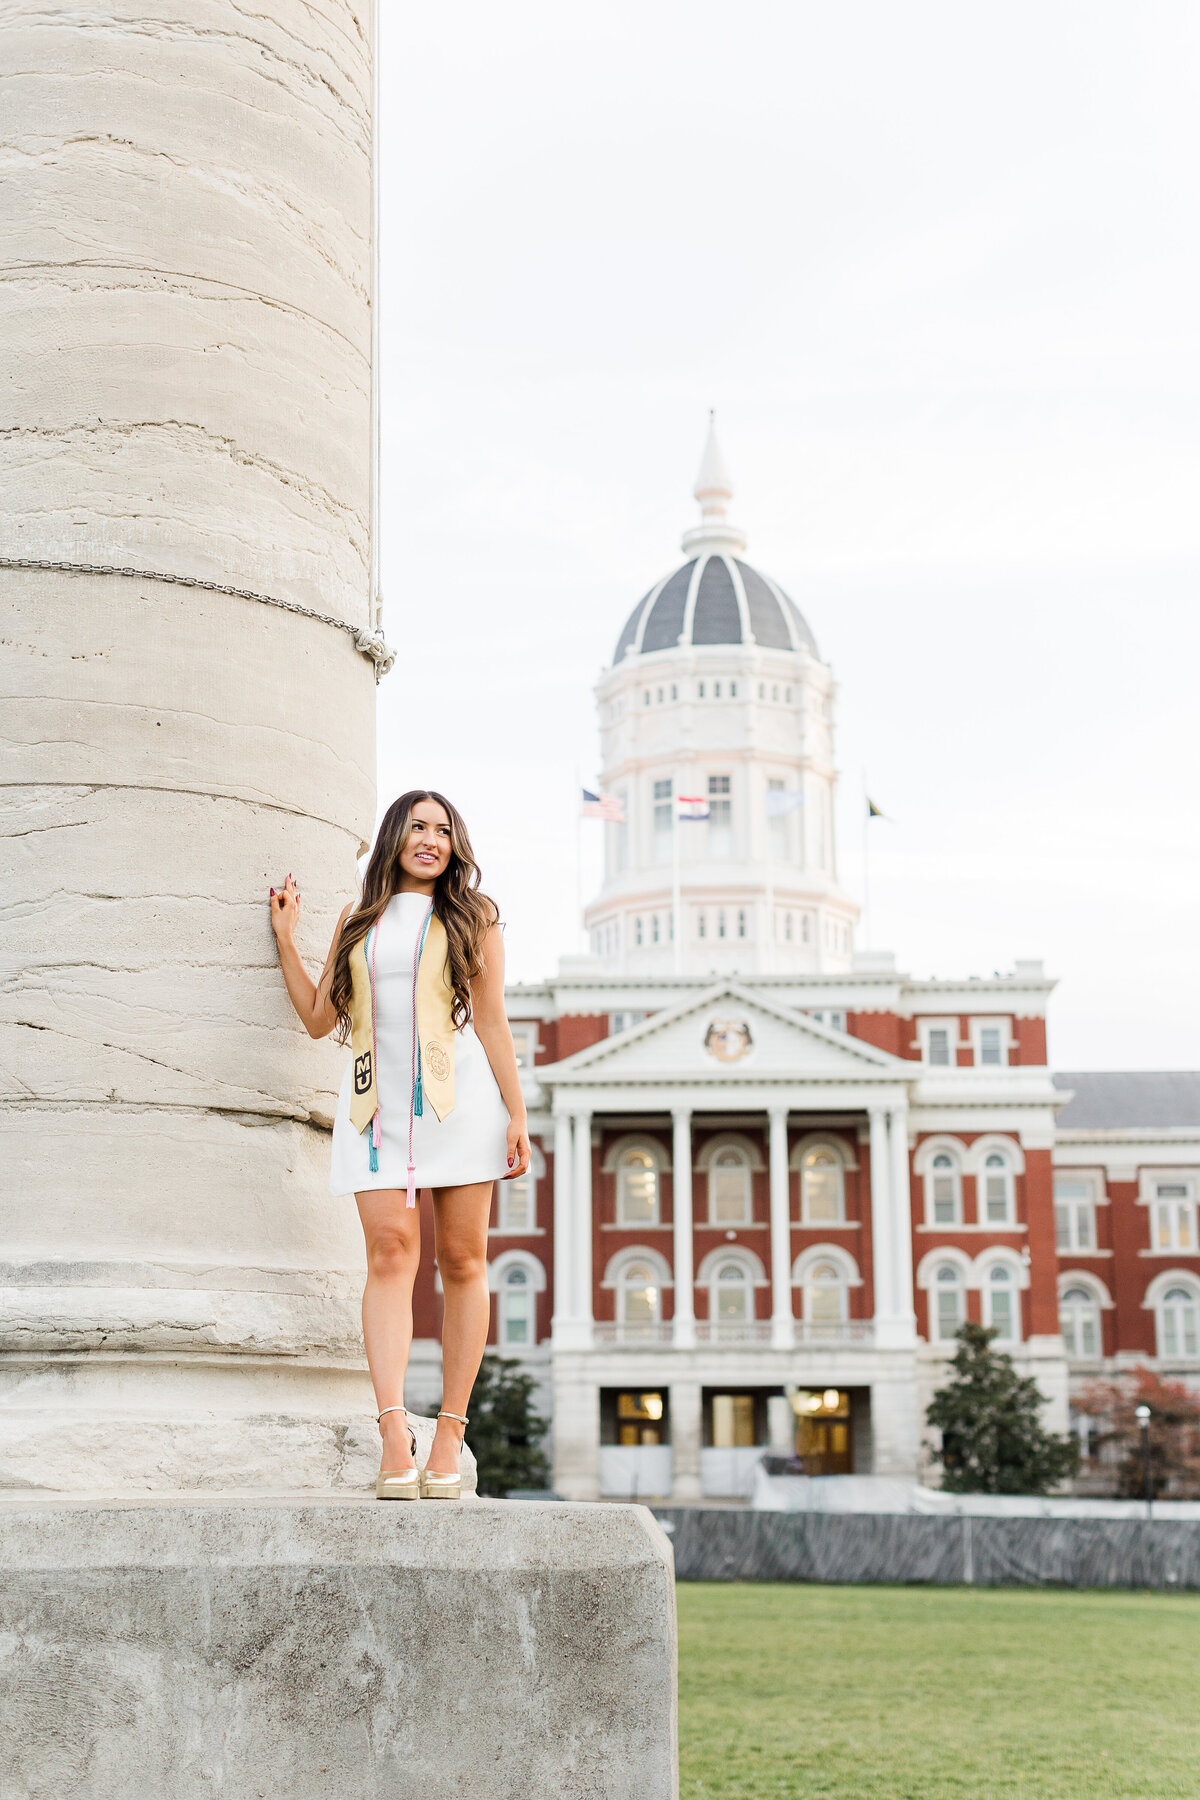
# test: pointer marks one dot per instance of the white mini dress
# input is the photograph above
(470, 1143)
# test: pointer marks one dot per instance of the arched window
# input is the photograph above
(946, 1302)
(997, 1190)
(729, 1187)
(944, 1190)
(639, 1297)
(1079, 1319)
(637, 1189)
(821, 1186)
(1000, 1300)
(1178, 1334)
(516, 1306)
(732, 1298)
(825, 1294)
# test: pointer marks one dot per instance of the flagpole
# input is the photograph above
(676, 882)
(866, 836)
(580, 934)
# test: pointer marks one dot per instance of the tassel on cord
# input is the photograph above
(373, 1157)
(417, 1089)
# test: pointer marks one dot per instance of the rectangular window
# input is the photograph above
(990, 1046)
(1002, 1315)
(939, 1046)
(1174, 1217)
(996, 1199)
(637, 933)
(945, 1210)
(720, 816)
(732, 1421)
(947, 1313)
(721, 924)
(741, 923)
(778, 830)
(664, 819)
(1074, 1213)
(654, 928)
(701, 925)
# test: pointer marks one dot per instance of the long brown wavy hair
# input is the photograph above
(463, 909)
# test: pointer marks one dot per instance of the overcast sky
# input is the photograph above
(936, 268)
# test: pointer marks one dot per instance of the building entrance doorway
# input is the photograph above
(824, 1442)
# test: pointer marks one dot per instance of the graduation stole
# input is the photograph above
(433, 1073)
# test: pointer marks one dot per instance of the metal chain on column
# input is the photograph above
(370, 643)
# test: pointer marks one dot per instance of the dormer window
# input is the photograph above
(939, 1046)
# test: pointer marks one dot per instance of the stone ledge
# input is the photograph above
(313, 1645)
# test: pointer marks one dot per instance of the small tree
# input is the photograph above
(993, 1439)
(505, 1431)
(1174, 1432)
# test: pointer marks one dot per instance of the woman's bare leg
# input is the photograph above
(460, 1234)
(393, 1234)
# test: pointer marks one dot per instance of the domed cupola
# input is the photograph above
(717, 754)
(715, 597)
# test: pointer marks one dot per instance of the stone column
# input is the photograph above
(901, 1215)
(563, 1224)
(681, 1186)
(187, 337)
(581, 1232)
(881, 1223)
(783, 1328)
(686, 1439)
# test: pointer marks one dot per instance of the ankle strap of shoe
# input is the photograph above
(449, 1415)
(388, 1409)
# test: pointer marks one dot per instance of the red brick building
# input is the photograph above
(772, 1176)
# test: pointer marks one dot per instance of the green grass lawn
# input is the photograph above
(822, 1693)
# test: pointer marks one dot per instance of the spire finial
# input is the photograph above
(714, 491)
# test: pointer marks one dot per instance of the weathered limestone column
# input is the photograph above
(687, 1436)
(684, 1333)
(881, 1224)
(186, 326)
(783, 1324)
(563, 1225)
(902, 1246)
(581, 1240)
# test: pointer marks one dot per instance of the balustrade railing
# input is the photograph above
(734, 1331)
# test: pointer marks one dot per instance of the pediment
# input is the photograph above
(730, 1035)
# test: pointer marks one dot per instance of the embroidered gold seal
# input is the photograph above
(438, 1061)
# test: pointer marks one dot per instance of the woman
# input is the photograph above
(430, 1098)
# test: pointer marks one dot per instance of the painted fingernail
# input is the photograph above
(272, 893)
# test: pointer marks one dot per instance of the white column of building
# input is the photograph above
(782, 1323)
(881, 1223)
(681, 1181)
(563, 1181)
(901, 1221)
(581, 1230)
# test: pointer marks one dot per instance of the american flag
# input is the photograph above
(602, 806)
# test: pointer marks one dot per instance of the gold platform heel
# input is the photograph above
(398, 1484)
(443, 1487)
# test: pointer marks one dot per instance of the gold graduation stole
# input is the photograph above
(434, 1073)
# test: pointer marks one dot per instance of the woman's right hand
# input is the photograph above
(285, 909)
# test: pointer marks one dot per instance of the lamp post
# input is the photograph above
(1142, 1415)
